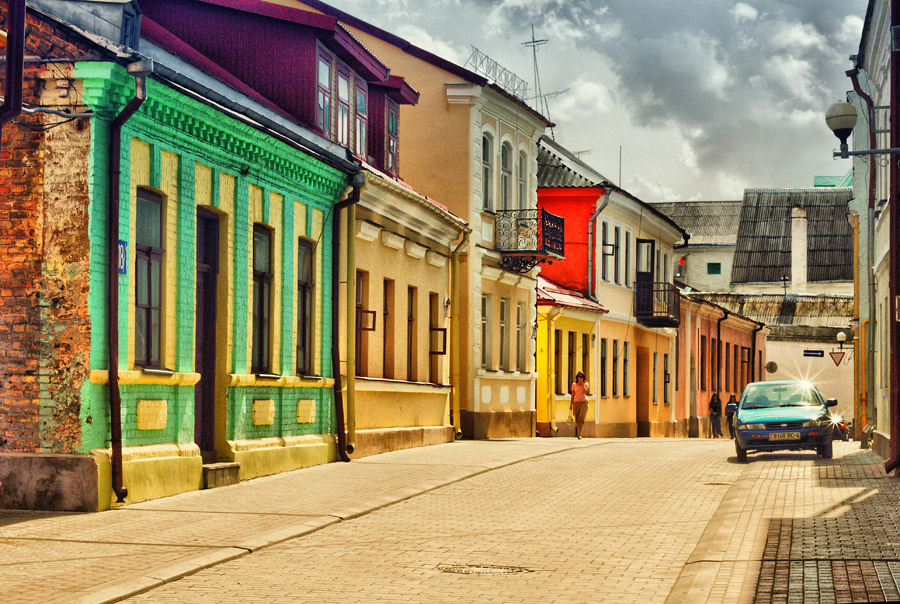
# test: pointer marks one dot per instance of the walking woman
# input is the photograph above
(579, 404)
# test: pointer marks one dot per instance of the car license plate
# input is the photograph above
(784, 436)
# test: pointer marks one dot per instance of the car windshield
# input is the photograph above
(766, 396)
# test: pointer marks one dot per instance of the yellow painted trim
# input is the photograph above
(226, 204)
(300, 231)
(306, 411)
(168, 183)
(266, 456)
(278, 244)
(364, 385)
(263, 412)
(202, 184)
(315, 233)
(140, 175)
(136, 376)
(285, 381)
(152, 414)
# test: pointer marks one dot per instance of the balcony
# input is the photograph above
(526, 238)
(656, 304)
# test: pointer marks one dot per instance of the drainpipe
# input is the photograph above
(590, 248)
(864, 399)
(140, 70)
(15, 62)
(894, 246)
(454, 332)
(350, 333)
(719, 351)
(868, 406)
(554, 314)
(357, 181)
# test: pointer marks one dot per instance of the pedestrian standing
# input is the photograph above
(579, 405)
(715, 415)
(729, 415)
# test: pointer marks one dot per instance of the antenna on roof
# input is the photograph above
(496, 73)
(542, 105)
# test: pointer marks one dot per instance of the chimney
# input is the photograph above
(798, 250)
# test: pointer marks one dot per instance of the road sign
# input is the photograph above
(814, 353)
(837, 357)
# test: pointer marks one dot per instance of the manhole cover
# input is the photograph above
(481, 569)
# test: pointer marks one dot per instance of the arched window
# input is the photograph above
(487, 173)
(505, 176)
(523, 179)
(304, 306)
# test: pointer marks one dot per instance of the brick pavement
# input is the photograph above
(605, 520)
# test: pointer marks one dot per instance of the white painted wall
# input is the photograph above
(831, 380)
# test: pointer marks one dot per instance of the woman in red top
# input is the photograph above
(579, 404)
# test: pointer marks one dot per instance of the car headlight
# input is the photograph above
(752, 427)
(815, 423)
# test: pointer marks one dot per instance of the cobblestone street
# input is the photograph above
(534, 520)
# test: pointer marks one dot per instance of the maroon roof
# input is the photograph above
(399, 90)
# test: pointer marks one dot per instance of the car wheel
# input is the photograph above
(740, 451)
(826, 451)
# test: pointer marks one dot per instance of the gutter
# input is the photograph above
(893, 460)
(357, 181)
(591, 220)
(140, 70)
(15, 62)
(454, 332)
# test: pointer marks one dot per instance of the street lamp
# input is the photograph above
(841, 118)
(841, 338)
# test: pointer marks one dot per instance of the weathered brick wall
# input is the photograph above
(44, 329)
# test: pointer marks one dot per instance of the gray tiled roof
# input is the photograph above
(707, 222)
(763, 249)
(791, 309)
(557, 167)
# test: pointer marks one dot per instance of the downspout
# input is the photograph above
(357, 180)
(140, 70)
(868, 406)
(551, 382)
(15, 62)
(894, 246)
(454, 332)
(590, 248)
(753, 354)
(719, 351)
(350, 332)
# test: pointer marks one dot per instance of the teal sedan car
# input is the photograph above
(782, 415)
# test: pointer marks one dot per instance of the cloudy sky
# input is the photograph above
(704, 97)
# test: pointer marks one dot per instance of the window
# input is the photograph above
(615, 368)
(571, 358)
(617, 270)
(713, 268)
(677, 360)
(148, 280)
(604, 239)
(343, 109)
(485, 331)
(665, 268)
(411, 373)
(713, 366)
(505, 176)
(365, 322)
(666, 379)
(521, 338)
(702, 362)
(487, 174)
(523, 178)
(387, 311)
(557, 360)
(727, 366)
(504, 334)
(304, 306)
(655, 378)
(625, 383)
(393, 137)
(262, 293)
(737, 367)
(437, 344)
(323, 103)
(360, 141)
(585, 357)
(628, 259)
(602, 366)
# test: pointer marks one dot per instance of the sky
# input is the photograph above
(700, 98)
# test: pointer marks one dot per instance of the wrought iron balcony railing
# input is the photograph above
(526, 238)
(657, 304)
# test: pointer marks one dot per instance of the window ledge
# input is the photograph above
(165, 377)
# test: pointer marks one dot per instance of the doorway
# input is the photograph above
(205, 317)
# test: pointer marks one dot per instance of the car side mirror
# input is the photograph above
(832, 402)
(732, 408)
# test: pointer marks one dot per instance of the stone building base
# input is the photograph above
(45, 481)
(501, 424)
(375, 441)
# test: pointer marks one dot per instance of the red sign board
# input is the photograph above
(837, 357)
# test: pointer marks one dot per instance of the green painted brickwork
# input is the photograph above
(240, 411)
(174, 123)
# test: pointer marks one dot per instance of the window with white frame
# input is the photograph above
(521, 337)
(615, 368)
(487, 173)
(505, 176)
(343, 107)
(604, 241)
(485, 331)
(625, 382)
(627, 258)
(655, 378)
(504, 334)
(362, 123)
(523, 180)
(617, 268)
(324, 93)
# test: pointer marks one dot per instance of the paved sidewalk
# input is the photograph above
(104, 557)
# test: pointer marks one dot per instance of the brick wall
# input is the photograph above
(43, 260)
